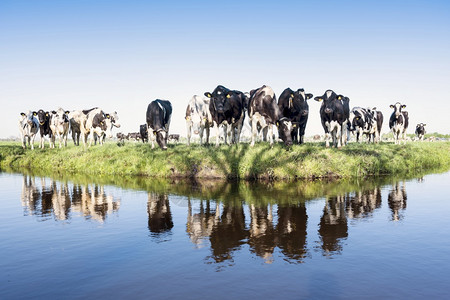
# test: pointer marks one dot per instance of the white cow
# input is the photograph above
(198, 118)
(59, 125)
(28, 127)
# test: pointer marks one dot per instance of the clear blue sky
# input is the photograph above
(120, 55)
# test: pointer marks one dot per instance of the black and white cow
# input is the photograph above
(264, 113)
(111, 121)
(198, 118)
(420, 131)
(144, 133)
(399, 122)
(59, 124)
(28, 127)
(44, 126)
(294, 106)
(332, 115)
(367, 121)
(159, 113)
(84, 122)
(227, 109)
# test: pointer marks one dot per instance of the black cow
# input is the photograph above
(420, 131)
(227, 109)
(399, 122)
(159, 113)
(293, 106)
(264, 113)
(332, 115)
(144, 133)
(44, 126)
(366, 121)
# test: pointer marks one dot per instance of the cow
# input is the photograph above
(227, 108)
(144, 133)
(198, 118)
(59, 124)
(367, 121)
(294, 106)
(120, 136)
(84, 122)
(264, 113)
(28, 127)
(136, 136)
(111, 120)
(44, 126)
(332, 115)
(174, 137)
(398, 122)
(159, 113)
(420, 131)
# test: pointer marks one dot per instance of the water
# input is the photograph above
(72, 238)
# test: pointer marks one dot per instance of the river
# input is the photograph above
(73, 238)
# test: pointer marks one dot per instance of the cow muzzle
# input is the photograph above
(328, 110)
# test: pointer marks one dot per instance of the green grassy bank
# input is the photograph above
(308, 161)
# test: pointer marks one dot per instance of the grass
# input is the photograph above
(308, 161)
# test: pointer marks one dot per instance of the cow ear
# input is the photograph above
(208, 94)
(67, 112)
(108, 116)
(424, 124)
(53, 112)
(278, 124)
(34, 113)
(403, 106)
(294, 125)
(374, 108)
(22, 114)
(318, 99)
(228, 95)
(309, 96)
(292, 95)
(391, 106)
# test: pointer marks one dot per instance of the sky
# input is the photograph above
(121, 55)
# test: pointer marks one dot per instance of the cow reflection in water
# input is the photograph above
(333, 225)
(291, 231)
(58, 199)
(229, 233)
(363, 203)
(262, 234)
(397, 201)
(200, 225)
(159, 215)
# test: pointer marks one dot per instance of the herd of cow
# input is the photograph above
(226, 109)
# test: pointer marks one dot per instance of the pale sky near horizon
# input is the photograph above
(120, 55)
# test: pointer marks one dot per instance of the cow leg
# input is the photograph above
(189, 133)
(216, 127)
(207, 133)
(31, 141)
(254, 127)
(269, 131)
(200, 134)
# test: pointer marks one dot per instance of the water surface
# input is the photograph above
(141, 238)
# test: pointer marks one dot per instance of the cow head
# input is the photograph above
(397, 108)
(219, 98)
(161, 137)
(327, 101)
(298, 100)
(43, 116)
(284, 126)
(28, 118)
(60, 117)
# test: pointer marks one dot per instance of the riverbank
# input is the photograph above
(308, 161)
